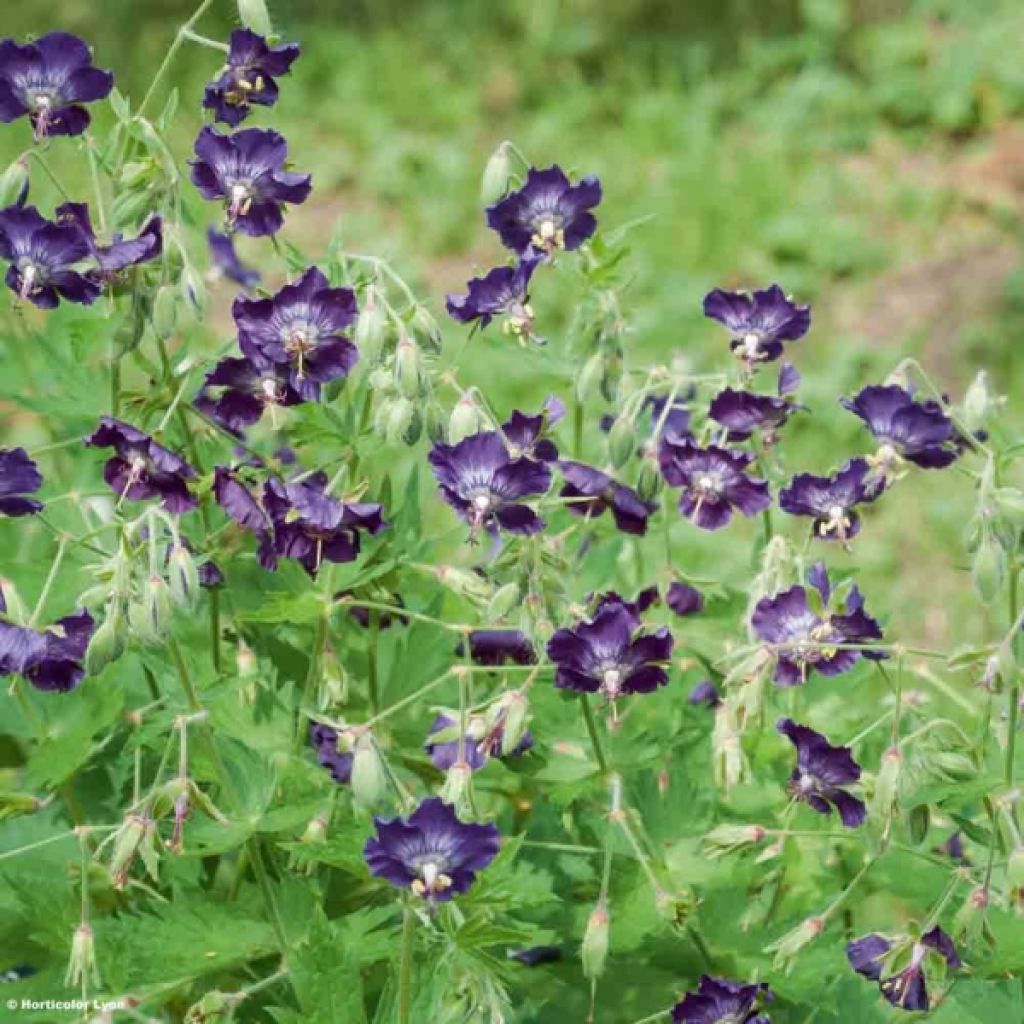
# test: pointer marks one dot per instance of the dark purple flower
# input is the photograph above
(676, 426)
(524, 434)
(500, 646)
(714, 482)
(19, 476)
(50, 660)
(802, 638)
(249, 76)
(503, 291)
(547, 213)
(226, 261)
(142, 468)
(121, 253)
(831, 500)
(246, 170)
(718, 1001)
(483, 741)
(431, 852)
(611, 653)
(684, 599)
(646, 598)
(42, 258)
(821, 772)
(300, 329)
(49, 80)
(953, 847)
(591, 492)
(743, 412)
(907, 987)
(325, 743)
(236, 392)
(919, 432)
(705, 692)
(485, 484)
(240, 504)
(760, 322)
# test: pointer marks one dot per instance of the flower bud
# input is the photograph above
(255, 16)
(333, 681)
(595, 942)
(150, 615)
(621, 441)
(458, 788)
(988, 568)
(589, 376)
(371, 332)
(433, 423)
(193, 291)
(497, 173)
(426, 329)
(134, 833)
(887, 786)
(730, 764)
(165, 311)
(969, 920)
(183, 576)
(726, 839)
(980, 403)
(316, 830)
(918, 822)
(517, 718)
(14, 184)
(13, 805)
(463, 582)
(369, 776)
(465, 419)
(400, 418)
(82, 965)
(107, 642)
(792, 942)
(505, 599)
(649, 482)
(137, 173)
(408, 367)
(166, 797)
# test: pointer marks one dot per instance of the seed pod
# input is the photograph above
(183, 576)
(621, 441)
(14, 184)
(595, 942)
(369, 776)
(165, 311)
(255, 16)
(408, 367)
(497, 174)
(465, 419)
(505, 599)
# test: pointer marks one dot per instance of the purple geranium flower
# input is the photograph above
(483, 741)
(325, 743)
(43, 257)
(591, 492)
(19, 476)
(821, 772)
(907, 987)
(831, 500)
(236, 392)
(802, 637)
(121, 253)
(142, 468)
(248, 77)
(485, 484)
(759, 322)
(226, 261)
(247, 171)
(431, 852)
(500, 646)
(611, 653)
(676, 427)
(300, 329)
(743, 412)
(714, 482)
(918, 432)
(49, 80)
(525, 435)
(684, 599)
(50, 660)
(502, 291)
(547, 213)
(718, 1001)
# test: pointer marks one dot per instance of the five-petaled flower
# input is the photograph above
(49, 80)
(503, 291)
(899, 966)
(714, 482)
(236, 392)
(547, 214)
(246, 170)
(589, 492)
(142, 468)
(248, 77)
(804, 639)
(718, 1001)
(300, 328)
(50, 660)
(831, 500)
(821, 772)
(45, 259)
(485, 484)
(19, 476)
(743, 412)
(760, 322)
(611, 653)
(431, 852)
(483, 740)
(113, 259)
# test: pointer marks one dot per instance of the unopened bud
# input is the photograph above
(726, 839)
(14, 184)
(369, 776)
(589, 376)
(106, 644)
(371, 332)
(918, 823)
(517, 718)
(433, 423)
(465, 419)
(649, 482)
(497, 173)
(595, 942)
(134, 833)
(458, 788)
(150, 615)
(193, 291)
(621, 441)
(409, 368)
(425, 326)
(463, 582)
(82, 965)
(165, 311)
(979, 403)
(792, 942)
(255, 16)
(333, 681)
(505, 599)
(969, 921)
(183, 576)
(887, 785)
(399, 421)
(988, 568)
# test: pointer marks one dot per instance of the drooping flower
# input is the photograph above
(713, 481)
(831, 500)
(122, 253)
(525, 435)
(19, 476)
(873, 956)
(908, 430)
(486, 485)
(141, 468)
(804, 640)
(246, 170)
(760, 322)
(45, 259)
(300, 328)
(500, 646)
(483, 741)
(226, 261)
(236, 392)
(611, 653)
(743, 412)
(705, 692)
(547, 214)
(591, 493)
(684, 600)
(503, 291)
(338, 763)
(718, 1001)
(431, 852)
(821, 772)
(49, 80)
(646, 598)
(50, 660)
(248, 77)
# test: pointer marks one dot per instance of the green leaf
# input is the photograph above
(325, 976)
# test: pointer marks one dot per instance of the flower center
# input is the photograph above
(519, 320)
(432, 879)
(482, 502)
(750, 345)
(706, 484)
(29, 276)
(611, 680)
(547, 234)
(806, 783)
(240, 200)
(837, 521)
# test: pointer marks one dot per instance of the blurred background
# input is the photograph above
(866, 154)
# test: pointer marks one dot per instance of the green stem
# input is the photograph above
(1013, 693)
(316, 658)
(62, 546)
(40, 159)
(595, 739)
(372, 672)
(101, 212)
(577, 428)
(405, 967)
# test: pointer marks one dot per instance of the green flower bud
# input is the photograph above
(621, 442)
(399, 421)
(729, 761)
(369, 776)
(792, 942)
(333, 681)
(13, 182)
(183, 576)
(433, 422)
(888, 784)
(589, 376)
(13, 805)
(595, 942)
(165, 311)
(458, 788)
(517, 719)
(408, 367)
(255, 16)
(426, 329)
(918, 822)
(649, 482)
(82, 965)
(465, 419)
(150, 615)
(497, 173)
(980, 403)
(134, 833)
(505, 599)
(463, 582)
(371, 332)
(969, 921)
(137, 173)
(988, 568)
(166, 797)
(107, 643)
(726, 839)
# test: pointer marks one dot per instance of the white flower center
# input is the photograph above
(612, 680)
(482, 502)
(751, 344)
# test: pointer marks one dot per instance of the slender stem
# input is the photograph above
(404, 613)
(259, 869)
(595, 739)
(101, 213)
(372, 671)
(41, 160)
(1013, 692)
(316, 658)
(115, 382)
(218, 661)
(577, 428)
(62, 546)
(7, 854)
(405, 966)
(204, 40)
